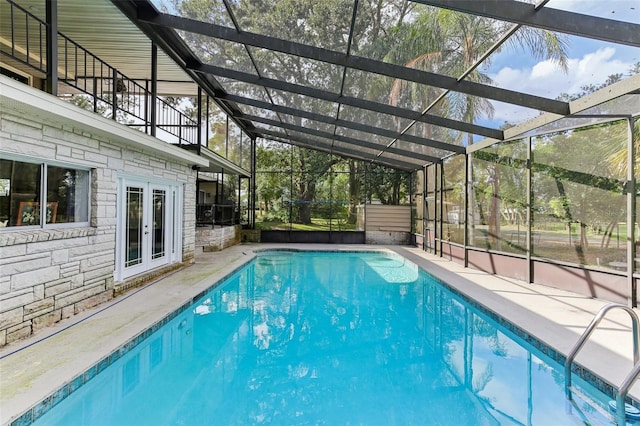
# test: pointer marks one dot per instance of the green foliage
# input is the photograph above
(387, 185)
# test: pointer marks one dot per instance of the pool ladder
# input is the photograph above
(633, 374)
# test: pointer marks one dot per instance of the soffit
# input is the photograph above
(99, 27)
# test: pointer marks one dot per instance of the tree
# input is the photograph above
(612, 148)
(572, 183)
(450, 43)
(387, 185)
(310, 169)
(272, 178)
(356, 169)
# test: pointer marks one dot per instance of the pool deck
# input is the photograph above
(32, 369)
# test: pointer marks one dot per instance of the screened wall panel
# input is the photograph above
(217, 130)
(245, 152)
(579, 209)
(234, 142)
(417, 182)
(301, 189)
(498, 200)
(454, 212)
(636, 143)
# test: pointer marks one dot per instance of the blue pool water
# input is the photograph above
(306, 338)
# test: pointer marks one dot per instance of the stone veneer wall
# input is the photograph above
(387, 237)
(213, 239)
(50, 274)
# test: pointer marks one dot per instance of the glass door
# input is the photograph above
(146, 232)
(134, 226)
(158, 224)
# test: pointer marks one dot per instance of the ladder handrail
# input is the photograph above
(587, 333)
(622, 394)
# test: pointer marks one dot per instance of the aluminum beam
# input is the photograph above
(546, 18)
(51, 41)
(342, 152)
(357, 62)
(341, 138)
(179, 52)
(621, 88)
(345, 123)
(346, 100)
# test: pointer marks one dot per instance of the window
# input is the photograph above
(26, 187)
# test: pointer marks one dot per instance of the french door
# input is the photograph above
(148, 226)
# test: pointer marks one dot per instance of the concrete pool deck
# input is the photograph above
(32, 369)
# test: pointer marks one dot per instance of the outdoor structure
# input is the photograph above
(385, 224)
(126, 144)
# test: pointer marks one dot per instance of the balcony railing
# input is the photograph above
(91, 82)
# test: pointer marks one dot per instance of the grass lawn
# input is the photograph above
(317, 224)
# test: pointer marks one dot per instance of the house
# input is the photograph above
(104, 151)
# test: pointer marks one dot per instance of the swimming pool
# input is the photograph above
(329, 338)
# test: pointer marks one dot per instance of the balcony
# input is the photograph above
(92, 82)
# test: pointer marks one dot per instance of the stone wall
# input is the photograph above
(387, 237)
(213, 239)
(50, 274)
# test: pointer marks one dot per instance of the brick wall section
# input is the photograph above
(47, 275)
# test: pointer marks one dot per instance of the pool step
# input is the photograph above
(577, 397)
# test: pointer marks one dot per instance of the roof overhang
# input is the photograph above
(29, 101)
(219, 164)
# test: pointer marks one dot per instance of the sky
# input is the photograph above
(589, 61)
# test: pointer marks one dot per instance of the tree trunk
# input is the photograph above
(494, 207)
(354, 192)
(306, 194)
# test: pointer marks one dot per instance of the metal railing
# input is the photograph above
(24, 32)
(216, 214)
(629, 379)
(93, 83)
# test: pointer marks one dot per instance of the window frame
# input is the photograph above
(44, 164)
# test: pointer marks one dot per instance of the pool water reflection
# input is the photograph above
(329, 338)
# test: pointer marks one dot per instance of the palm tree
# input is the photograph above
(450, 43)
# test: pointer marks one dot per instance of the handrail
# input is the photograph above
(622, 394)
(631, 377)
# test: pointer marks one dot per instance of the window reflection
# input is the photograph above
(21, 193)
(68, 189)
(65, 196)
